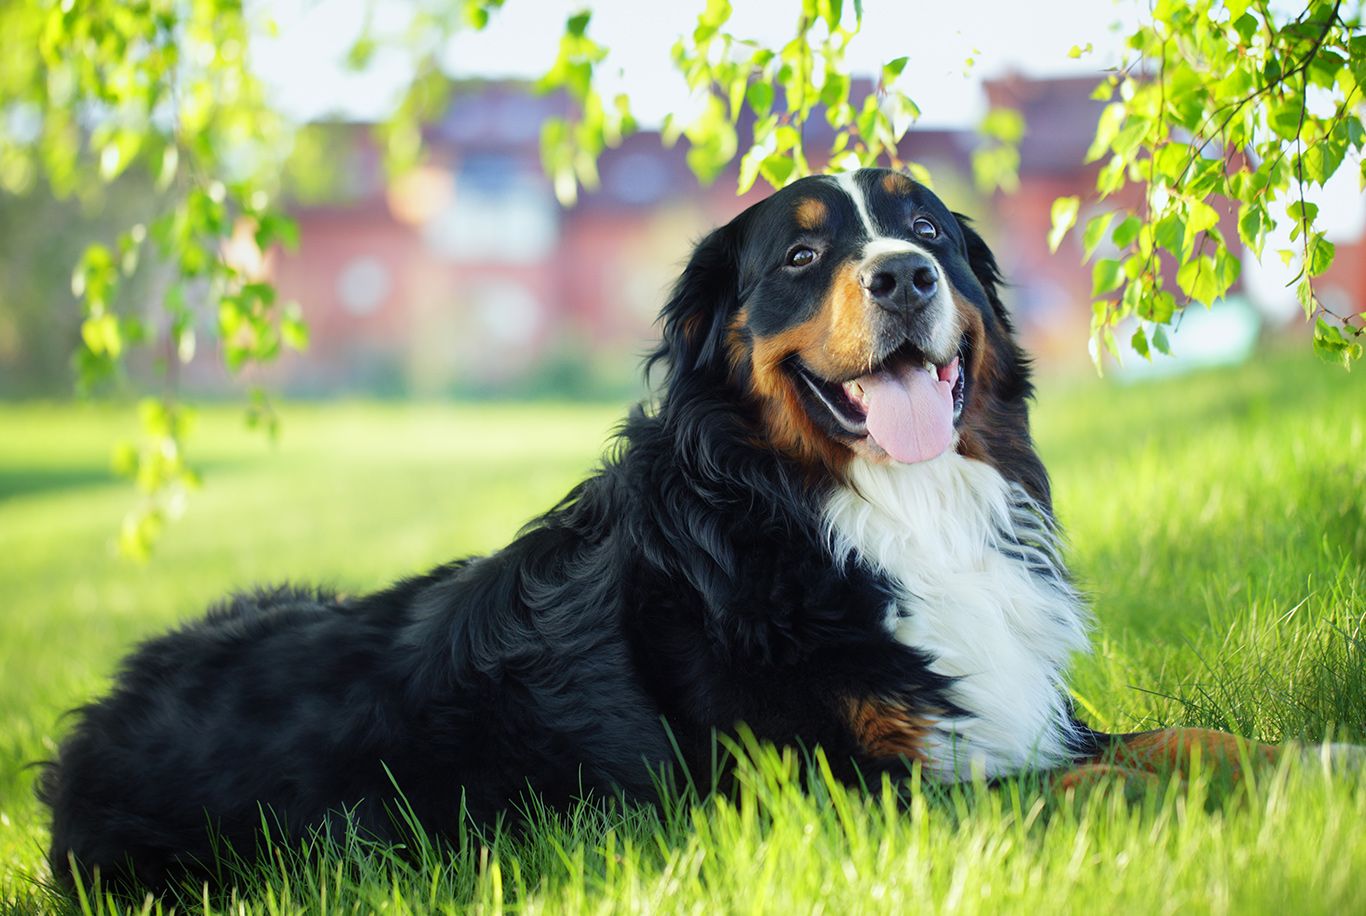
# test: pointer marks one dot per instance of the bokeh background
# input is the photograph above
(473, 344)
(465, 278)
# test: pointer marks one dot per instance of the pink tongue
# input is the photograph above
(910, 412)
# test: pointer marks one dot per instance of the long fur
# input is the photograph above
(700, 579)
(981, 589)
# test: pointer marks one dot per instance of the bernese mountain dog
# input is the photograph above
(830, 526)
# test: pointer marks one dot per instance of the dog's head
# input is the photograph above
(858, 317)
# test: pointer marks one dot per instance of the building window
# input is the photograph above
(363, 284)
(502, 211)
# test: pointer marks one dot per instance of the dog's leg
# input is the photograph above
(1090, 774)
(1174, 750)
(1143, 757)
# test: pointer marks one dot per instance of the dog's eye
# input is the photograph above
(800, 256)
(924, 228)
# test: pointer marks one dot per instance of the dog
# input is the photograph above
(830, 525)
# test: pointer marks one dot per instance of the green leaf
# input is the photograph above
(1160, 339)
(760, 97)
(1106, 277)
(1106, 130)
(577, 24)
(1304, 214)
(1170, 161)
(1322, 159)
(1321, 252)
(1134, 132)
(1304, 292)
(1163, 306)
(892, 69)
(1302, 211)
(835, 91)
(831, 11)
(293, 330)
(1252, 225)
(1200, 216)
(275, 227)
(1095, 232)
(1104, 89)
(1170, 233)
(1227, 268)
(1126, 232)
(361, 52)
(1332, 345)
(1131, 301)
(1139, 341)
(1285, 117)
(778, 169)
(1199, 280)
(1004, 124)
(1064, 216)
(1112, 176)
(101, 335)
(749, 167)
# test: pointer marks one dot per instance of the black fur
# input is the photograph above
(686, 582)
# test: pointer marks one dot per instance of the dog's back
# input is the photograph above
(264, 699)
(705, 577)
(286, 711)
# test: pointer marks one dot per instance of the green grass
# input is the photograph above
(1217, 522)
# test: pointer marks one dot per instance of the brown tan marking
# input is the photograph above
(837, 343)
(984, 360)
(1090, 775)
(834, 343)
(692, 328)
(994, 428)
(1173, 749)
(971, 442)
(897, 183)
(1146, 756)
(810, 213)
(736, 348)
(886, 729)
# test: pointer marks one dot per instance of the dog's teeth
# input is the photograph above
(931, 368)
(855, 391)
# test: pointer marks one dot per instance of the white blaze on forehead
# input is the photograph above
(946, 331)
(847, 183)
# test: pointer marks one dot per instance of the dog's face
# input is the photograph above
(860, 316)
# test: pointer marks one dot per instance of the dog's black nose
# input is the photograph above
(901, 283)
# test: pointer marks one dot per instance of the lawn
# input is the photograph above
(1217, 521)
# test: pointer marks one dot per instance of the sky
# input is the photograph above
(303, 63)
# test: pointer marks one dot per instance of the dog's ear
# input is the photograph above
(707, 294)
(984, 266)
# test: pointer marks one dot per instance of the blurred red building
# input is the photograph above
(468, 276)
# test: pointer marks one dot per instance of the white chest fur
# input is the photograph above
(982, 593)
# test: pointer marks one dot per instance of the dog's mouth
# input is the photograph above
(908, 405)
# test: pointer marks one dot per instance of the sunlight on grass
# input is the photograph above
(1218, 523)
